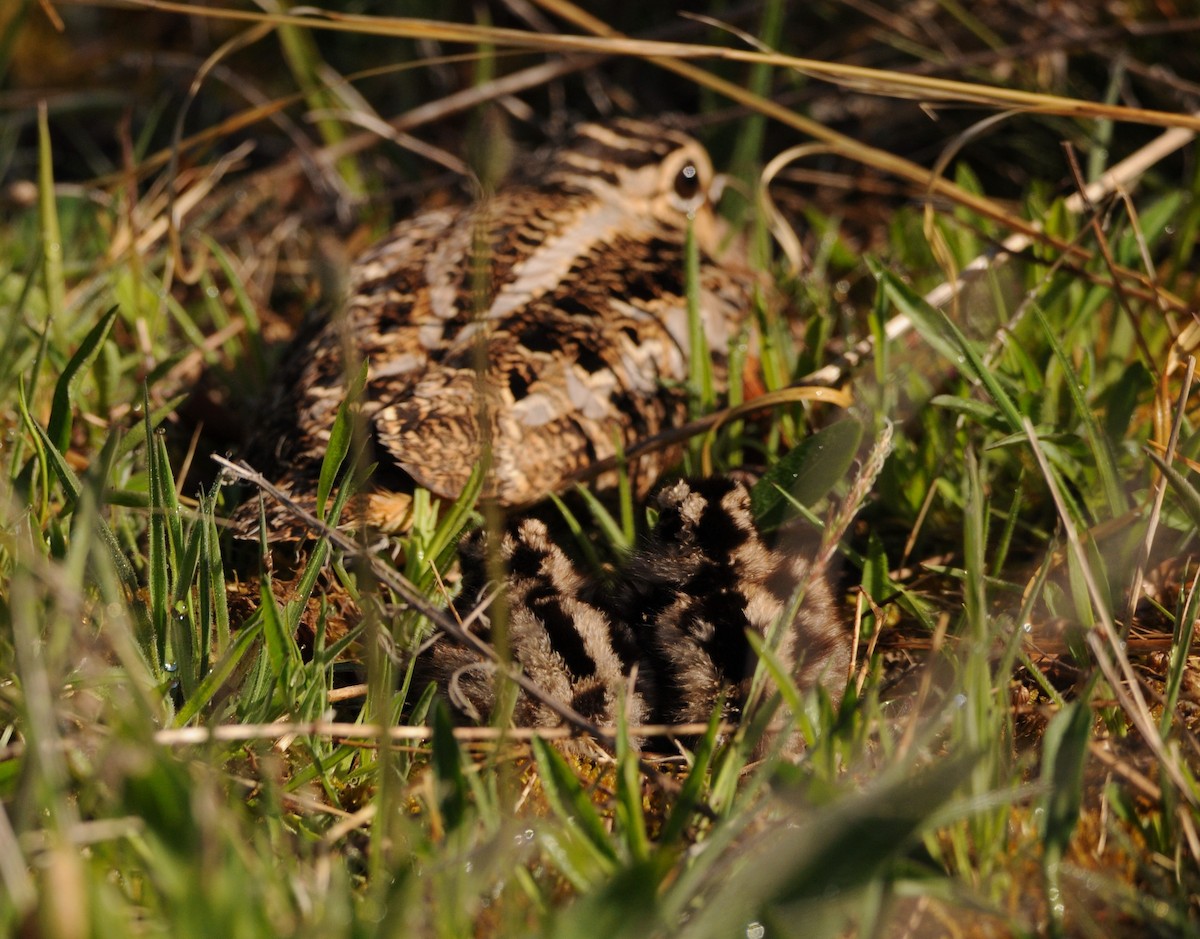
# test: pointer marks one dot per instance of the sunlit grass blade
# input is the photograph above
(631, 815)
(614, 532)
(944, 336)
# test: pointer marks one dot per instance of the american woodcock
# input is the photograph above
(543, 327)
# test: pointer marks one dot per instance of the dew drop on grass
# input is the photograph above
(211, 292)
(960, 700)
(755, 930)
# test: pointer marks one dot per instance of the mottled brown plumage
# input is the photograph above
(548, 322)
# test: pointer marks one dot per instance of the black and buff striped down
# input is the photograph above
(669, 640)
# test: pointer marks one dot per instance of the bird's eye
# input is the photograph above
(687, 182)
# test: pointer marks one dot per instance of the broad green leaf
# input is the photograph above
(806, 472)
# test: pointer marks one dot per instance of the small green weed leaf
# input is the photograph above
(433, 551)
(806, 472)
(59, 426)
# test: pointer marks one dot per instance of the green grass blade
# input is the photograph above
(683, 808)
(341, 436)
(52, 247)
(158, 562)
(136, 435)
(59, 426)
(249, 635)
(631, 816)
(700, 371)
(451, 780)
(1102, 455)
(937, 329)
(1064, 758)
(72, 488)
